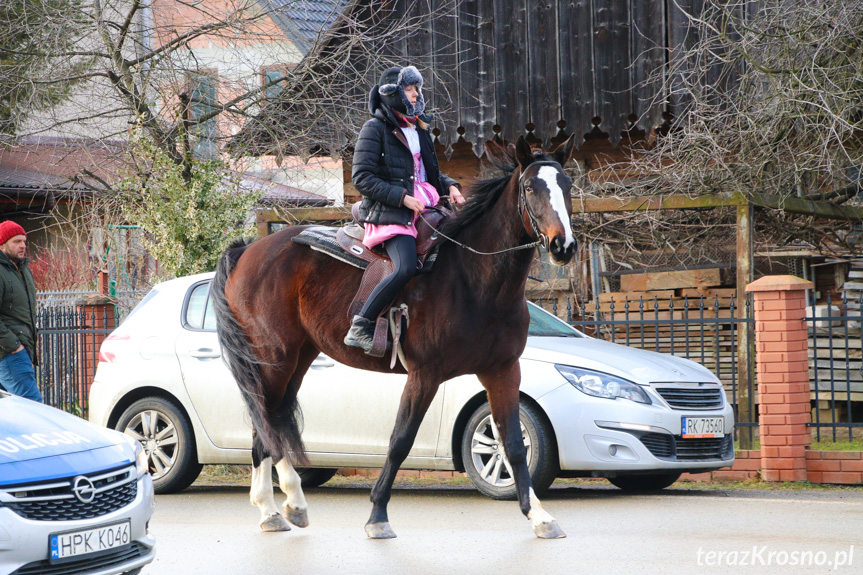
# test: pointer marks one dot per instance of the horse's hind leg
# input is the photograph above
(502, 389)
(295, 508)
(415, 401)
(261, 494)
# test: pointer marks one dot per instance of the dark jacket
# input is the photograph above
(383, 167)
(17, 308)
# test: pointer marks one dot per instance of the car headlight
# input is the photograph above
(600, 384)
(141, 463)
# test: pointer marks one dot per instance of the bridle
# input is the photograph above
(542, 239)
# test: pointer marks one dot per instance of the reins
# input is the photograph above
(470, 249)
(522, 200)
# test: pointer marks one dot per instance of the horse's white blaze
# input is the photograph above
(291, 485)
(548, 174)
(261, 493)
(537, 514)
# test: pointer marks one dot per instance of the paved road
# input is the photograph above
(213, 531)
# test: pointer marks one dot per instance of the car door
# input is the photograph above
(345, 410)
(214, 394)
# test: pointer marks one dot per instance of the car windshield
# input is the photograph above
(543, 323)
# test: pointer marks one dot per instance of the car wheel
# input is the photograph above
(644, 482)
(486, 464)
(166, 435)
(310, 476)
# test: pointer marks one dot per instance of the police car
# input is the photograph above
(74, 497)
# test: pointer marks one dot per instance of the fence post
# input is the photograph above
(96, 312)
(783, 375)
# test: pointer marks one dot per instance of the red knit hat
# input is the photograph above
(9, 230)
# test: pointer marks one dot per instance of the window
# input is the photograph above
(272, 92)
(543, 323)
(196, 306)
(210, 315)
(200, 311)
(273, 227)
(202, 101)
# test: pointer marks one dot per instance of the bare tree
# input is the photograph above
(764, 100)
(188, 76)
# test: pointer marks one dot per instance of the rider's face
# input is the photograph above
(412, 92)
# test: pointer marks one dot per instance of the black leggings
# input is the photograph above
(403, 251)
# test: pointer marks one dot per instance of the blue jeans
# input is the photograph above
(18, 377)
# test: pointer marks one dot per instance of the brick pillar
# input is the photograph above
(98, 315)
(783, 375)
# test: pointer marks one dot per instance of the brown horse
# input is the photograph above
(280, 304)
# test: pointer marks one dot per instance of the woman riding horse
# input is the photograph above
(395, 168)
(280, 304)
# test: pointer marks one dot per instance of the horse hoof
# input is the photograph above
(298, 517)
(274, 523)
(380, 531)
(549, 530)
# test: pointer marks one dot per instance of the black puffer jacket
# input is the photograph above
(383, 167)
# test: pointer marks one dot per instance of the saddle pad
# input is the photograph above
(323, 239)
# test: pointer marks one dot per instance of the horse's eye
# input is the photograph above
(528, 190)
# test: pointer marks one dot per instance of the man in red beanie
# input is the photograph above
(17, 315)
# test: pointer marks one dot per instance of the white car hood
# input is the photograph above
(637, 365)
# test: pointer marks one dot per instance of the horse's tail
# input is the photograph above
(277, 429)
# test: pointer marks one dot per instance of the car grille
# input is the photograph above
(673, 448)
(692, 397)
(115, 557)
(55, 500)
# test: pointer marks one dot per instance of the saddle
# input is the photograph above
(350, 239)
(347, 246)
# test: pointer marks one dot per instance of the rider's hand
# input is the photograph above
(455, 195)
(414, 204)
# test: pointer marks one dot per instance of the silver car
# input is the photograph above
(589, 408)
(74, 497)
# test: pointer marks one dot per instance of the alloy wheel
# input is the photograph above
(158, 436)
(487, 453)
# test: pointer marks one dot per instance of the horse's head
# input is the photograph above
(544, 198)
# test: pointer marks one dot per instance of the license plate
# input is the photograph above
(75, 543)
(702, 427)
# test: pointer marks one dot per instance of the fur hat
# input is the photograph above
(9, 230)
(392, 90)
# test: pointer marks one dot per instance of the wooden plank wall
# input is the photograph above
(509, 65)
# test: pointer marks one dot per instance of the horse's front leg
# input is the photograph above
(502, 389)
(415, 401)
(295, 507)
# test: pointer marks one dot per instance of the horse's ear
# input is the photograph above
(523, 153)
(563, 152)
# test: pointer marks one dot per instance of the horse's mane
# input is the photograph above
(485, 193)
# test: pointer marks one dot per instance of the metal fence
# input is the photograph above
(836, 366)
(68, 341)
(126, 299)
(703, 329)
